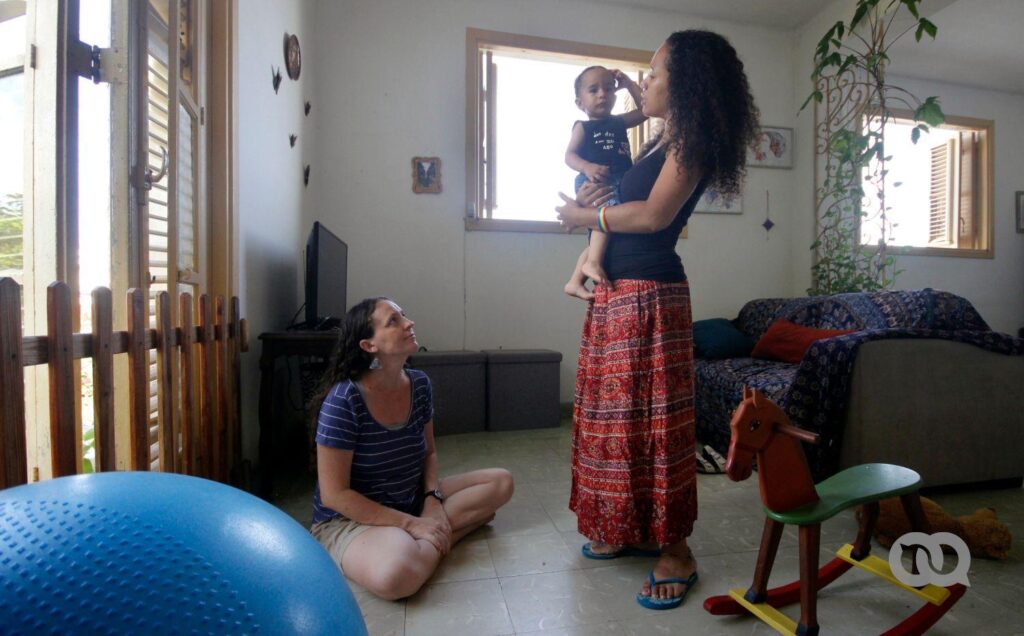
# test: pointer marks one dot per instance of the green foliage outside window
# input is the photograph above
(11, 230)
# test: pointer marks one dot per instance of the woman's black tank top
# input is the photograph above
(649, 256)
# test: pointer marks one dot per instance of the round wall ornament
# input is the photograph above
(292, 56)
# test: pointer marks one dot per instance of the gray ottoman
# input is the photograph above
(459, 394)
(522, 388)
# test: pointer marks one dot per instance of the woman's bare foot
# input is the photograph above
(671, 566)
(604, 548)
(578, 290)
(597, 547)
(594, 271)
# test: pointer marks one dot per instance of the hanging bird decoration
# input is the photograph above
(275, 75)
(292, 139)
(305, 175)
(768, 223)
(308, 108)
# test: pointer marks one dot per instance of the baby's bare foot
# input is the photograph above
(578, 290)
(594, 271)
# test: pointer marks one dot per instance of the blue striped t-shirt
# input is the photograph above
(387, 463)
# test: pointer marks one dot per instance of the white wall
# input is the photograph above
(390, 85)
(271, 193)
(995, 286)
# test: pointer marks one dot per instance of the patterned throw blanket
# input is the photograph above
(815, 392)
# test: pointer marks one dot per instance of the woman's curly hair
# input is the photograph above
(349, 361)
(714, 118)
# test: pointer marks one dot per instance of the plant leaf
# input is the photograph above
(858, 15)
(929, 27)
(816, 96)
(930, 112)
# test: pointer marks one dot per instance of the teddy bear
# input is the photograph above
(985, 535)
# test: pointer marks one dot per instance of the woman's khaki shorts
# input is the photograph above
(336, 534)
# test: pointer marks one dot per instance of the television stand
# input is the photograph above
(282, 344)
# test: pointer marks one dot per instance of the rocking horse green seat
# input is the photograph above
(854, 486)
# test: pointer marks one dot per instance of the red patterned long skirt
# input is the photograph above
(633, 465)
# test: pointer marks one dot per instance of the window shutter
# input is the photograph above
(488, 107)
(968, 223)
(175, 218)
(637, 135)
(159, 229)
(940, 196)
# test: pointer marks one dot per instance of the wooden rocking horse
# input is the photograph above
(789, 495)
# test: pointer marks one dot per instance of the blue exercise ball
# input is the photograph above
(158, 553)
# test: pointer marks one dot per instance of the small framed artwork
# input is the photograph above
(426, 175)
(773, 149)
(1019, 198)
(715, 202)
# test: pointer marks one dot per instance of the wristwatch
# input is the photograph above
(435, 493)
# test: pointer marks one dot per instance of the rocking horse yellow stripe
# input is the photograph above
(880, 568)
(768, 614)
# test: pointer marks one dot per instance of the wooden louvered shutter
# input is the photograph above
(967, 231)
(940, 213)
(175, 202)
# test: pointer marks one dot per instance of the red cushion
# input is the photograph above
(788, 341)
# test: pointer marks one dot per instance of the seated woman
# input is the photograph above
(379, 507)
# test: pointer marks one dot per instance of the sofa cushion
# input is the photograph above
(788, 342)
(718, 338)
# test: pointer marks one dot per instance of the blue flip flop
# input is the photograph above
(666, 603)
(622, 552)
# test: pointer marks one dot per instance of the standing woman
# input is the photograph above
(634, 487)
(380, 509)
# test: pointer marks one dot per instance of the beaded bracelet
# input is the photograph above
(602, 221)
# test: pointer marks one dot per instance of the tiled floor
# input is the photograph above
(524, 573)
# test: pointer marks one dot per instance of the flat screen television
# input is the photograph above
(326, 278)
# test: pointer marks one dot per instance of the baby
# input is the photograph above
(599, 151)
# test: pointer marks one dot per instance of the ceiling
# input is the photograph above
(782, 14)
(978, 44)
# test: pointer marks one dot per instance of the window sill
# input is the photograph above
(952, 252)
(509, 225)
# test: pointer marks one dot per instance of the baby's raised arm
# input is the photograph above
(636, 116)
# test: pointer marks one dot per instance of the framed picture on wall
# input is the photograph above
(714, 202)
(773, 149)
(426, 175)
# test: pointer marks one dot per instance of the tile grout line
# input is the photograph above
(501, 588)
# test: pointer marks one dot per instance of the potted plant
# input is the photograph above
(853, 102)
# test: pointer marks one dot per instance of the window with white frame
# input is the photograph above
(520, 104)
(938, 191)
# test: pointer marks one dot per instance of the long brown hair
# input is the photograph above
(714, 118)
(349, 361)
